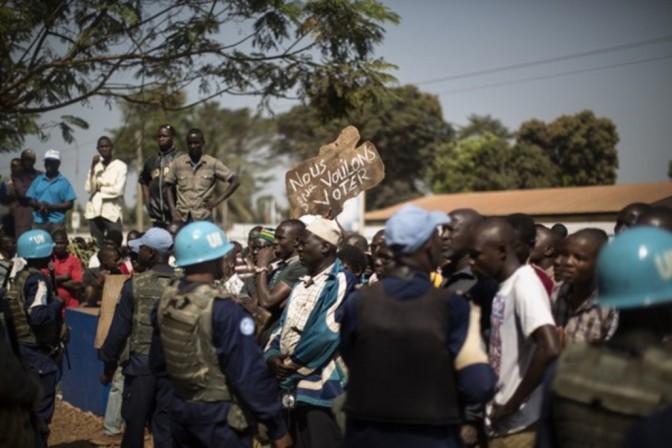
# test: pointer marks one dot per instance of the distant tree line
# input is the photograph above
(425, 154)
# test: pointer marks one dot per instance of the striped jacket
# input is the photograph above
(308, 332)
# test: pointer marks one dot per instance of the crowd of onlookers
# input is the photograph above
(550, 276)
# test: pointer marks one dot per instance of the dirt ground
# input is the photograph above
(72, 428)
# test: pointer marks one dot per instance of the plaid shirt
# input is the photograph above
(303, 299)
(589, 322)
(308, 331)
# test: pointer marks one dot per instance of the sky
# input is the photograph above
(613, 57)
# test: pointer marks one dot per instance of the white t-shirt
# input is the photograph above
(520, 306)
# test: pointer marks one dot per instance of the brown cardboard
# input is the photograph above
(340, 171)
(111, 292)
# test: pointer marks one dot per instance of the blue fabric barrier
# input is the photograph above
(80, 384)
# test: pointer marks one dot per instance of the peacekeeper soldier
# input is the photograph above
(35, 311)
(19, 393)
(598, 392)
(214, 362)
(414, 352)
(146, 396)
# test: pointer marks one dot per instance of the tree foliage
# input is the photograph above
(238, 138)
(57, 53)
(405, 130)
(489, 163)
(582, 146)
(481, 125)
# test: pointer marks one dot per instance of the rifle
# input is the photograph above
(63, 330)
(6, 316)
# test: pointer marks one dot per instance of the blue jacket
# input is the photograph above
(42, 308)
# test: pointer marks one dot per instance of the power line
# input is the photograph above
(546, 61)
(556, 75)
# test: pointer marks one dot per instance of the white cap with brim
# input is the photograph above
(52, 154)
(326, 229)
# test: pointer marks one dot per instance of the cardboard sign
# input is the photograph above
(111, 292)
(340, 172)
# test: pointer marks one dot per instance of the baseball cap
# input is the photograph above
(410, 227)
(156, 238)
(52, 154)
(326, 229)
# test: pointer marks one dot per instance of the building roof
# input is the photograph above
(568, 203)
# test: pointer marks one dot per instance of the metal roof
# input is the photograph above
(605, 200)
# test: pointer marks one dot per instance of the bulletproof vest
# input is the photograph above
(5, 272)
(185, 324)
(400, 369)
(147, 288)
(45, 335)
(599, 392)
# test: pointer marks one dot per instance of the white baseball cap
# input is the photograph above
(52, 154)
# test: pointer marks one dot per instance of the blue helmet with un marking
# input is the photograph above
(198, 242)
(34, 244)
(635, 269)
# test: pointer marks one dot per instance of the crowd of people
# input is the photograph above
(445, 330)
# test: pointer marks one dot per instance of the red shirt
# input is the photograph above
(126, 267)
(545, 279)
(72, 267)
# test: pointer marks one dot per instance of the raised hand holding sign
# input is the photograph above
(340, 172)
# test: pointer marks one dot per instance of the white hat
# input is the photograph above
(52, 154)
(326, 229)
(307, 219)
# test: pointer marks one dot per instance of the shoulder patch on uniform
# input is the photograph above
(247, 326)
(41, 296)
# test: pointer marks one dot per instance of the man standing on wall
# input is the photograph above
(105, 184)
(23, 212)
(195, 177)
(152, 177)
(50, 195)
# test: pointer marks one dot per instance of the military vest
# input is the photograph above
(400, 369)
(185, 324)
(599, 392)
(147, 288)
(45, 336)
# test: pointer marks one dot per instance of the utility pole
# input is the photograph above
(138, 188)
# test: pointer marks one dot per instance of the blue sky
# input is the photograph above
(449, 39)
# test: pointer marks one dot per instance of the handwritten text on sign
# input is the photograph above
(339, 173)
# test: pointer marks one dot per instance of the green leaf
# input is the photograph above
(75, 121)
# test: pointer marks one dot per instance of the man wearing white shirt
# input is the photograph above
(105, 184)
(523, 337)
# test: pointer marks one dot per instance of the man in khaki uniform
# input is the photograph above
(195, 177)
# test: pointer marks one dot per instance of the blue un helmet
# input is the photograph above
(635, 269)
(34, 244)
(198, 242)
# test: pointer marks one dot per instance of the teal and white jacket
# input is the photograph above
(308, 332)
